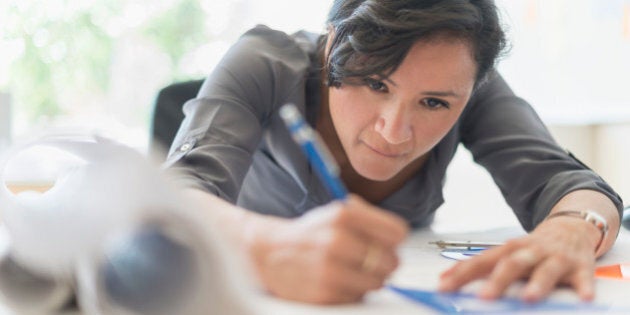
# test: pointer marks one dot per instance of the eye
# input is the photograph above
(376, 85)
(434, 103)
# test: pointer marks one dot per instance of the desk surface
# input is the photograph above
(420, 266)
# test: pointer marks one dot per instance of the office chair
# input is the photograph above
(168, 115)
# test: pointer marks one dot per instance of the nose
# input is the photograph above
(394, 124)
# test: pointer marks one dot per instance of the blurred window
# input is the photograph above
(96, 65)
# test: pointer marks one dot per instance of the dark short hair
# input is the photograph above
(372, 37)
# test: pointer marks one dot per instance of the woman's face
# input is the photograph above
(385, 125)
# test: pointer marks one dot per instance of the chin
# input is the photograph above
(379, 173)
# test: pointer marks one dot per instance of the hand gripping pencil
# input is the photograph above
(316, 152)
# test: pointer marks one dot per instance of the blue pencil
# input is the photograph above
(318, 155)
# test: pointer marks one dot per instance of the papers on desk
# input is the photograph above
(466, 303)
(461, 254)
(462, 250)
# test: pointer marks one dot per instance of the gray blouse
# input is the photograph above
(233, 143)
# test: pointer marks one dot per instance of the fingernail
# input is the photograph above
(446, 273)
(487, 292)
(587, 294)
(446, 284)
(532, 292)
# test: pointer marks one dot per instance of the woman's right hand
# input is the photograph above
(332, 254)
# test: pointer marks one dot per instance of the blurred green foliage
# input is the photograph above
(69, 49)
(171, 30)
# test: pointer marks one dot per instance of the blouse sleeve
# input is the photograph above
(223, 125)
(506, 136)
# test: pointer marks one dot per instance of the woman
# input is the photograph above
(392, 88)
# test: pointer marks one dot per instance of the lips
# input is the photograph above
(386, 152)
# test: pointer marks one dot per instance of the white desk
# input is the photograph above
(420, 267)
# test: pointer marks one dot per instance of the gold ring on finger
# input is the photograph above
(372, 258)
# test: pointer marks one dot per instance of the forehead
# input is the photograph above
(441, 61)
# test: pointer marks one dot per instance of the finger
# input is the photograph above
(350, 249)
(356, 281)
(330, 296)
(509, 269)
(388, 263)
(477, 267)
(335, 283)
(544, 278)
(374, 223)
(364, 257)
(584, 282)
(347, 246)
(383, 263)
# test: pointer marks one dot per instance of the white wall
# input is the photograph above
(474, 202)
(605, 148)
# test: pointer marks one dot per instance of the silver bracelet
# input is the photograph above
(589, 216)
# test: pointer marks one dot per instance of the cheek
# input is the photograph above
(349, 111)
(432, 130)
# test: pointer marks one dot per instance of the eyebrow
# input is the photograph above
(441, 93)
(447, 93)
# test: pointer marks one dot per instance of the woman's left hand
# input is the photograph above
(558, 251)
